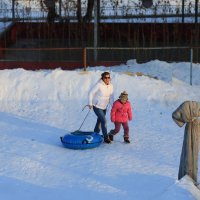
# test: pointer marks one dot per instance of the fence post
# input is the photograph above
(183, 11)
(96, 28)
(191, 61)
(84, 59)
(13, 9)
(196, 11)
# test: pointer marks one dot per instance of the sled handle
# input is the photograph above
(84, 118)
(85, 107)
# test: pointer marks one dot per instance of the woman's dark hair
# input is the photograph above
(104, 74)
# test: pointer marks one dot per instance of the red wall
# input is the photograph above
(118, 34)
(144, 34)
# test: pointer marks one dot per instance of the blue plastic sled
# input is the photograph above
(81, 140)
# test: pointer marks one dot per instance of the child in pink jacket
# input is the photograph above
(121, 113)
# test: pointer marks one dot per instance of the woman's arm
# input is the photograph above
(92, 93)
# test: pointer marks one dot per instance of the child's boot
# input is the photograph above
(107, 140)
(126, 140)
(110, 135)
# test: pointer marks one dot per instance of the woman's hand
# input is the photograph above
(90, 106)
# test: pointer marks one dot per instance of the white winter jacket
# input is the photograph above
(101, 95)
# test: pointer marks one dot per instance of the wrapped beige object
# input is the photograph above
(188, 112)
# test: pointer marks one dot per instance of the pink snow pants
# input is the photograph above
(118, 126)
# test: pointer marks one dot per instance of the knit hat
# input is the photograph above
(123, 97)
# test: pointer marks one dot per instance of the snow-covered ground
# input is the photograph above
(37, 107)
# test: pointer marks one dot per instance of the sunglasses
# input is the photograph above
(107, 77)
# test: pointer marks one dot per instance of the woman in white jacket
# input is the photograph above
(99, 97)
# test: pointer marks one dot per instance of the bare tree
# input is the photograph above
(147, 3)
(79, 16)
(51, 9)
(88, 15)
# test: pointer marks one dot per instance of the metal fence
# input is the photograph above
(90, 56)
(24, 10)
(104, 54)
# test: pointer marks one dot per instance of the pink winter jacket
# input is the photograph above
(121, 112)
